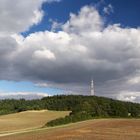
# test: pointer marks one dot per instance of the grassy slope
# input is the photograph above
(28, 119)
(105, 129)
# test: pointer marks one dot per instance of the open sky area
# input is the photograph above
(50, 47)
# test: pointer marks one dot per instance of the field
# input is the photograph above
(28, 119)
(101, 129)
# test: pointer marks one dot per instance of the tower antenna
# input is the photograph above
(92, 92)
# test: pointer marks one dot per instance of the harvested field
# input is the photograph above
(102, 129)
(28, 119)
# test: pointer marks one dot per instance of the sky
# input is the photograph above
(50, 47)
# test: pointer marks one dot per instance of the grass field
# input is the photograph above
(101, 129)
(28, 119)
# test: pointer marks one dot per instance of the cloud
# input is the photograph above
(44, 54)
(50, 1)
(18, 16)
(129, 96)
(68, 58)
(79, 23)
(108, 9)
(55, 25)
(21, 95)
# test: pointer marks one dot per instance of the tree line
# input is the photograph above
(89, 107)
(81, 107)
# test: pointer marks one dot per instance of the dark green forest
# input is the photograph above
(81, 107)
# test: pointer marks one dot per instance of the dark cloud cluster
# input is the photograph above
(84, 48)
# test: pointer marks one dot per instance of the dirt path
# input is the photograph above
(34, 129)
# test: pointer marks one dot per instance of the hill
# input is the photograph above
(28, 120)
(90, 107)
(81, 107)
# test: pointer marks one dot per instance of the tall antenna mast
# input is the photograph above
(92, 92)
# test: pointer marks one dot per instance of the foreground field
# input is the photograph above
(102, 129)
(28, 119)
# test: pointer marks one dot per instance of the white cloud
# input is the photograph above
(41, 85)
(129, 96)
(44, 54)
(18, 16)
(55, 25)
(134, 80)
(80, 24)
(49, 1)
(38, 17)
(108, 9)
(20, 95)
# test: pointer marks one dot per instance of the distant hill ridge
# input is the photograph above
(81, 107)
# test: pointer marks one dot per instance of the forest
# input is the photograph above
(81, 107)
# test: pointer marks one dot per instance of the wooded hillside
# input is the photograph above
(81, 107)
